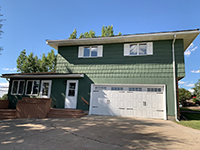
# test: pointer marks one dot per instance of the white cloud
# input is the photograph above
(3, 88)
(181, 82)
(4, 85)
(193, 71)
(190, 85)
(190, 49)
(9, 69)
(191, 90)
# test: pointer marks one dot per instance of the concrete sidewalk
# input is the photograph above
(94, 133)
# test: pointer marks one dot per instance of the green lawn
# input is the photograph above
(194, 119)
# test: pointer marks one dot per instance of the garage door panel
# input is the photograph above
(146, 102)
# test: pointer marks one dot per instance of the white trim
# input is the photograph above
(187, 39)
(80, 51)
(18, 83)
(143, 85)
(146, 85)
(149, 48)
(90, 107)
(41, 88)
(100, 51)
(32, 88)
(165, 102)
(76, 91)
(44, 76)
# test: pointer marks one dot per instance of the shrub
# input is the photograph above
(4, 97)
(194, 100)
(183, 96)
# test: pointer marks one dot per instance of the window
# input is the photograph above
(117, 88)
(90, 51)
(136, 49)
(153, 89)
(45, 89)
(72, 87)
(135, 89)
(100, 88)
(32, 87)
(17, 87)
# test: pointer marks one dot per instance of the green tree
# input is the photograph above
(197, 89)
(73, 35)
(4, 97)
(30, 63)
(51, 61)
(22, 62)
(119, 34)
(107, 31)
(184, 95)
(91, 34)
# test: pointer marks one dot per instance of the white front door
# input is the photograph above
(71, 94)
(45, 89)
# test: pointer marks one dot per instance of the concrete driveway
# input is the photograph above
(96, 132)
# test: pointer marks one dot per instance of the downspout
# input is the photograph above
(174, 74)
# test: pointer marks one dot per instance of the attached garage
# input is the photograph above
(129, 100)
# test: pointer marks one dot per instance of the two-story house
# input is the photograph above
(130, 75)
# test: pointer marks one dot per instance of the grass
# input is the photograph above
(194, 118)
(195, 124)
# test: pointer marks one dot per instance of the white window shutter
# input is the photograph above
(100, 51)
(126, 49)
(80, 52)
(150, 48)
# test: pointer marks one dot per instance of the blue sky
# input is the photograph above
(29, 23)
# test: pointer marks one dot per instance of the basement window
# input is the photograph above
(17, 87)
(32, 87)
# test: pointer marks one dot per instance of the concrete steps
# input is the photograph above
(66, 113)
(7, 113)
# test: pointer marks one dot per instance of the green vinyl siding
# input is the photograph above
(113, 63)
(115, 68)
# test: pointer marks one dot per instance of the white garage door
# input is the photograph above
(146, 101)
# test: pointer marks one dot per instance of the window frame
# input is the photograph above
(41, 88)
(90, 53)
(149, 48)
(138, 49)
(32, 87)
(82, 48)
(18, 83)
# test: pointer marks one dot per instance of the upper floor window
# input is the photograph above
(136, 49)
(32, 87)
(17, 87)
(90, 51)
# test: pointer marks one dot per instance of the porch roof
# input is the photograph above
(43, 75)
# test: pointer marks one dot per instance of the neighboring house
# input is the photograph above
(131, 75)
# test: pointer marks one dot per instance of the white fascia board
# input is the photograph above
(44, 76)
(127, 38)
